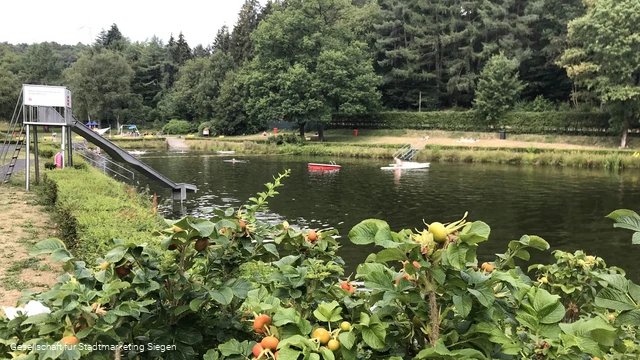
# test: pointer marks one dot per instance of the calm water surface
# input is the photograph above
(567, 207)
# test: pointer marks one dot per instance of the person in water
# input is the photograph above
(398, 162)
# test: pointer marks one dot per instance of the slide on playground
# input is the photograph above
(179, 190)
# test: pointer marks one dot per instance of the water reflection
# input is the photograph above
(563, 205)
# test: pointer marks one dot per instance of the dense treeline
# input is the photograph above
(311, 61)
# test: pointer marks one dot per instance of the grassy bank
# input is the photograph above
(580, 159)
(250, 147)
(91, 209)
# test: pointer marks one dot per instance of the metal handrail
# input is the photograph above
(102, 162)
(403, 150)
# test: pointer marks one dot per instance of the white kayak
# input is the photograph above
(406, 166)
(225, 152)
(137, 152)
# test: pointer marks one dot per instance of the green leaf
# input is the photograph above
(394, 254)
(240, 287)
(195, 304)
(379, 280)
(287, 260)
(614, 299)
(347, 339)
(298, 341)
(374, 337)
(232, 347)
(38, 319)
(288, 354)
(457, 255)
(222, 296)
(627, 219)
(616, 280)
(548, 308)
(271, 248)
(370, 231)
(484, 295)
(47, 246)
(116, 254)
(326, 353)
(328, 312)
(629, 318)
(61, 255)
(463, 304)
(204, 227)
(475, 232)
(438, 274)
(189, 336)
(211, 354)
(535, 242)
(373, 331)
(290, 316)
(522, 254)
(527, 320)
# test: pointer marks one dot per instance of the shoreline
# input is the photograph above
(597, 158)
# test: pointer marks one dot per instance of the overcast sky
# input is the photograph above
(73, 21)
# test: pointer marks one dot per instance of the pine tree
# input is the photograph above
(200, 51)
(170, 66)
(549, 40)
(182, 52)
(410, 52)
(149, 73)
(113, 35)
(241, 44)
(222, 42)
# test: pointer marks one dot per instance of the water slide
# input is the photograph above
(180, 190)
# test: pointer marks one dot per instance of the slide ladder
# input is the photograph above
(15, 128)
(406, 152)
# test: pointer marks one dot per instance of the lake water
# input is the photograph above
(565, 206)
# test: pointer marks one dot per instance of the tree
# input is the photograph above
(241, 44)
(200, 51)
(101, 85)
(231, 106)
(147, 81)
(498, 87)
(222, 42)
(309, 66)
(197, 87)
(112, 39)
(548, 41)
(605, 57)
(170, 65)
(9, 92)
(41, 65)
(181, 53)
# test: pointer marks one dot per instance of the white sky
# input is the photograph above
(73, 21)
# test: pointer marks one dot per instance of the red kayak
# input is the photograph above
(323, 167)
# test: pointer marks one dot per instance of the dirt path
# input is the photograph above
(177, 144)
(416, 141)
(23, 224)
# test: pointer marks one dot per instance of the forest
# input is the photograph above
(312, 60)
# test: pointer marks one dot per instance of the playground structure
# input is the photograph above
(130, 129)
(40, 105)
